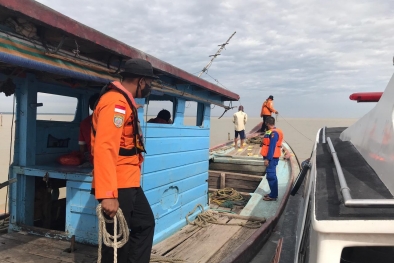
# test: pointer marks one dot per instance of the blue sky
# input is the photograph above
(310, 54)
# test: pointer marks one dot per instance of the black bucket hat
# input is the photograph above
(271, 97)
(138, 67)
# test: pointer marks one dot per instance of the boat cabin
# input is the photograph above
(48, 59)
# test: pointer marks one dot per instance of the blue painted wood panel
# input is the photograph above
(158, 146)
(160, 178)
(176, 189)
(183, 131)
(176, 220)
(172, 160)
(81, 219)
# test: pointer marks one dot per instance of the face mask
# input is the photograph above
(145, 92)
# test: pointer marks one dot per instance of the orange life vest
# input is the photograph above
(138, 141)
(266, 143)
(267, 108)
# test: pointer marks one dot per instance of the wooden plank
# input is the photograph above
(244, 194)
(222, 180)
(48, 242)
(230, 175)
(242, 168)
(238, 238)
(13, 251)
(248, 218)
(241, 184)
(57, 254)
(19, 257)
(214, 206)
(40, 247)
(170, 243)
(204, 244)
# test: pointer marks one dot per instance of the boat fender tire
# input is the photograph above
(300, 178)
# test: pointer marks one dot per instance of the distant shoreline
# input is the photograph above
(316, 118)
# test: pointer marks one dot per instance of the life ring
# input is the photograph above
(300, 178)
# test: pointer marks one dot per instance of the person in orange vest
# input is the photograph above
(271, 151)
(117, 144)
(266, 110)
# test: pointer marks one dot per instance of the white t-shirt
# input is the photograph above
(239, 120)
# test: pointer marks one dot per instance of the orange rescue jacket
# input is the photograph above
(116, 141)
(266, 143)
(267, 108)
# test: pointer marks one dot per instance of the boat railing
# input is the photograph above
(324, 134)
(345, 190)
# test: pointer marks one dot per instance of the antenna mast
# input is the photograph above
(222, 46)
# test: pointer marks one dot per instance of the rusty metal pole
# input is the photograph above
(222, 46)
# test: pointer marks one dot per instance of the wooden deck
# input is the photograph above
(192, 244)
(211, 244)
(20, 247)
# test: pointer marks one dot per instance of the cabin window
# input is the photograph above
(367, 254)
(159, 112)
(194, 114)
(56, 107)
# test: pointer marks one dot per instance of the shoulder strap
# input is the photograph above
(132, 104)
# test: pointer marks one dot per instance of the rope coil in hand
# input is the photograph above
(106, 238)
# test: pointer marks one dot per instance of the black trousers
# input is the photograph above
(141, 222)
(264, 127)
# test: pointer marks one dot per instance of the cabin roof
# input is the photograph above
(99, 46)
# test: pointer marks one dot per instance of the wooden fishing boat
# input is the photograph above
(242, 170)
(44, 53)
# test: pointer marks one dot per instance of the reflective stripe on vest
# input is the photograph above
(266, 143)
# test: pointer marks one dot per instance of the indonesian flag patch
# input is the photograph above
(120, 109)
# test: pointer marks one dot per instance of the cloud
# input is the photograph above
(311, 55)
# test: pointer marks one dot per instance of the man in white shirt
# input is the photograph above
(239, 120)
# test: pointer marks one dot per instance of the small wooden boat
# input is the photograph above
(243, 171)
(44, 53)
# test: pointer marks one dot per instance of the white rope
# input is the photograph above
(104, 236)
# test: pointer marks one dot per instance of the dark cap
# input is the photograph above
(271, 97)
(138, 67)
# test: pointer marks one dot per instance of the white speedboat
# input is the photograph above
(346, 206)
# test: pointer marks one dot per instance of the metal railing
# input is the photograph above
(324, 135)
(345, 190)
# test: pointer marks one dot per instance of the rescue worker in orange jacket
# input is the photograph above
(266, 110)
(271, 151)
(117, 145)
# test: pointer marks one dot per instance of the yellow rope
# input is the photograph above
(227, 194)
(255, 140)
(208, 217)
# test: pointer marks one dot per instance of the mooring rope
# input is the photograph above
(208, 217)
(227, 194)
(108, 239)
(112, 241)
